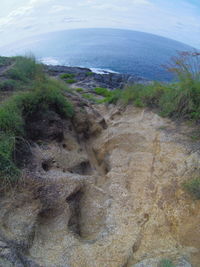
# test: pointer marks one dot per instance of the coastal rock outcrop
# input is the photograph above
(87, 79)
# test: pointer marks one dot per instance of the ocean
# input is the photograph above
(121, 51)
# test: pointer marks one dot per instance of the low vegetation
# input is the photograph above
(102, 91)
(24, 69)
(9, 85)
(67, 76)
(79, 90)
(180, 99)
(166, 263)
(193, 187)
(111, 97)
(70, 81)
(45, 94)
(5, 61)
(89, 73)
(90, 97)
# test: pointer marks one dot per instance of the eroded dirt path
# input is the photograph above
(113, 196)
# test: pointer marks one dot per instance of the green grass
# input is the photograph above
(10, 85)
(70, 81)
(45, 94)
(111, 97)
(8, 170)
(193, 187)
(172, 100)
(5, 61)
(23, 72)
(180, 99)
(166, 263)
(102, 91)
(79, 90)
(17, 111)
(67, 76)
(89, 73)
(90, 97)
(25, 69)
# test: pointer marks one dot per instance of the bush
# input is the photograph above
(5, 61)
(180, 99)
(143, 95)
(8, 170)
(67, 76)
(11, 121)
(25, 69)
(14, 113)
(9, 85)
(193, 187)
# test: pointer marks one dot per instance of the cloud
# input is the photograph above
(178, 19)
(59, 8)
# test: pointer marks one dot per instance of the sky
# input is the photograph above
(175, 19)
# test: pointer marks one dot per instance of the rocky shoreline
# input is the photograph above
(87, 79)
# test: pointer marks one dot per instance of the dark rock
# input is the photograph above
(89, 80)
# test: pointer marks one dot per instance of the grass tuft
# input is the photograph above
(180, 99)
(25, 69)
(79, 90)
(45, 94)
(193, 187)
(67, 76)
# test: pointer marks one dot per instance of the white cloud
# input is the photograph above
(59, 8)
(174, 19)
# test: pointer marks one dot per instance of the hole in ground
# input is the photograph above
(74, 201)
(46, 165)
(83, 168)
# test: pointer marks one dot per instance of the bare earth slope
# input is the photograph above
(111, 196)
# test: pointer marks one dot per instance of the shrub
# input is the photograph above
(179, 99)
(9, 85)
(8, 170)
(67, 76)
(25, 69)
(166, 263)
(186, 67)
(14, 113)
(46, 96)
(193, 187)
(143, 95)
(186, 94)
(11, 121)
(5, 61)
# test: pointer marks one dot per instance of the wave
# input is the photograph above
(50, 61)
(102, 71)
